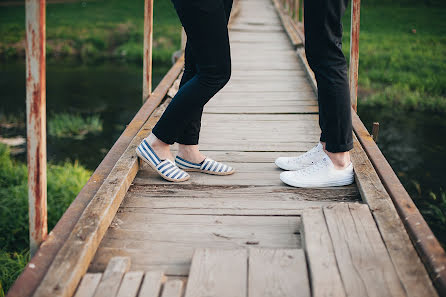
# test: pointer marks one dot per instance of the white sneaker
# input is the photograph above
(296, 163)
(322, 174)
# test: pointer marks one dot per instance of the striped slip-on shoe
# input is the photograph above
(165, 168)
(208, 166)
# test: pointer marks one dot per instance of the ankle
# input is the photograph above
(190, 153)
(340, 160)
(156, 142)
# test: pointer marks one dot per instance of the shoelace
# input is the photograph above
(314, 168)
(305, 155)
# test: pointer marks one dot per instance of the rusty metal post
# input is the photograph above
(36, 121)
(148, 38)
(354, 53)
(296, 11)
(375, 131)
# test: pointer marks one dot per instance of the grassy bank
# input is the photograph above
(402, 54)
(64, 182)
(94, 30)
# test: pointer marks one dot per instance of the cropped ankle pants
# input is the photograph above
(207, 68)
(323, 48)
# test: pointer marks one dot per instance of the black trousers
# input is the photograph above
(207, 68)
(323, 48)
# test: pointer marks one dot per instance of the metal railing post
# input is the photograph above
(296, 11)
(148, 38)
(354, 53)
(36, 121)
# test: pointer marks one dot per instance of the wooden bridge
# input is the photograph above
(130, 233)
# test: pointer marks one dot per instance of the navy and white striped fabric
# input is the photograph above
(207, 166)
(166, 168)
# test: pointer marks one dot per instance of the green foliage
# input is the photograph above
(11, 265)
(73, 125)
(402, 48)
(64, 183)
(94, 30)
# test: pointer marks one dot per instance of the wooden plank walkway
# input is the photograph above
(267, 110)
(246, 234)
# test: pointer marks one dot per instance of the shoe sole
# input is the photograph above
(344, 182)
(157, 171)
(209, 172)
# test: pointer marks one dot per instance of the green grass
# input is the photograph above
(73, 125)
(95, 30)
(64, 183)
(402, 52)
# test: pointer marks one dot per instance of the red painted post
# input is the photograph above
(148, 38)
(36, 121)
(354, 53)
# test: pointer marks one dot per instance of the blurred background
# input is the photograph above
(94, 88)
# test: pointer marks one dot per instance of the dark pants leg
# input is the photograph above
(207, 69)
(323, 48)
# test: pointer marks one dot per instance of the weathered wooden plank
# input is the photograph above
(111, 279)
(151, 284)
(172, 288)
(147, 239)
(324, 273)
(277, 273)
(130, 284)
(88, 285)
(262, 109)
(218, 272)
(72, 260)
(364, 263)
(408, 265)
(247, 174)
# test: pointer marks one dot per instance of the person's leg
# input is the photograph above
(206, 27)
(323, 47)
(191, 133)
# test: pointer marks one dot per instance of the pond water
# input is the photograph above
(413, 143)
(415, 146)
(111, 90)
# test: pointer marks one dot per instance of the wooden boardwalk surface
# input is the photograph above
(246, 234)
(267, 110)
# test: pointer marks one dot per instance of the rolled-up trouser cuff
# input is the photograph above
(162, 137)
(338, 148)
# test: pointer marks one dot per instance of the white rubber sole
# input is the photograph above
(209, 172)
(159, 173)
(301, 184)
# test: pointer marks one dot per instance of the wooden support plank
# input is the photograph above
(408, 265)
(277, 273)
(130, 284)
(173, 288)
(324, 273)
(72, 260)
(218, 272)
(151, 284)
(364, 263)
(88, 285)
(111, 279)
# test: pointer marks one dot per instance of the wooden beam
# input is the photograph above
(364, 263)
(111, 279)
(277, 273)
(218, 272)
(324, 273)
(72, 260)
